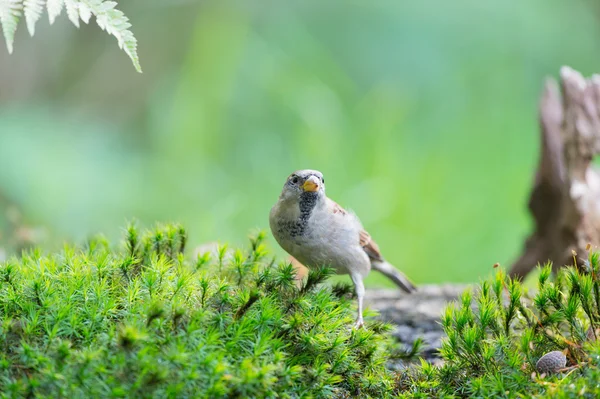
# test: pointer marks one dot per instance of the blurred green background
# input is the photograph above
(421, 115)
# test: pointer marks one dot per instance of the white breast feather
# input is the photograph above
(333, 239)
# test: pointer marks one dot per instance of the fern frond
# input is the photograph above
(117, 24)
(109, 18)
(33, 11)
(84, 12)
(72, 7)
(54, 9)
(10, 13)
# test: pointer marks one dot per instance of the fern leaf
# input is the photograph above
(54, 9)
(115, 23)
(72, 7)
(110, 19)
(33, 11)
(84, 12)
(10, 13)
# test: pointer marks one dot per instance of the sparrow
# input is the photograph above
(318, 232)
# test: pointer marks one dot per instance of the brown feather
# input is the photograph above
(370, 246)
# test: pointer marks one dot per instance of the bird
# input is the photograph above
(316, 231)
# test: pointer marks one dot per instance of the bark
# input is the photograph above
(565, 200)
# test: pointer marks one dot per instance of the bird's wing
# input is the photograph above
(364, 238)
(370, 246)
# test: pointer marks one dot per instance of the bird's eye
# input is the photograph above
(323, 180)
(295, 179)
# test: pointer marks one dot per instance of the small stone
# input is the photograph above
(551, 362)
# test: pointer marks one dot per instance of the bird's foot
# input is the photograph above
(359, 323)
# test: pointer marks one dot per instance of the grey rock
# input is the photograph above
(403, 333)
(415, 316)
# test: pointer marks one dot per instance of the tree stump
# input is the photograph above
(565, 200)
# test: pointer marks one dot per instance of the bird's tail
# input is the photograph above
(395, 275)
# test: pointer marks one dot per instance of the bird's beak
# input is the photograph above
(311, 184)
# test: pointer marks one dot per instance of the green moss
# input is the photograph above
(142, 320)
(496, 335)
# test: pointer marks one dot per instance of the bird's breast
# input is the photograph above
(322, 240)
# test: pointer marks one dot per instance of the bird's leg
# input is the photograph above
(359, 287)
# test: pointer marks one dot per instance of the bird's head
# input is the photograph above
(303, 184)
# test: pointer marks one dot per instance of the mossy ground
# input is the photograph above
(496, 335)
(143, 320)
